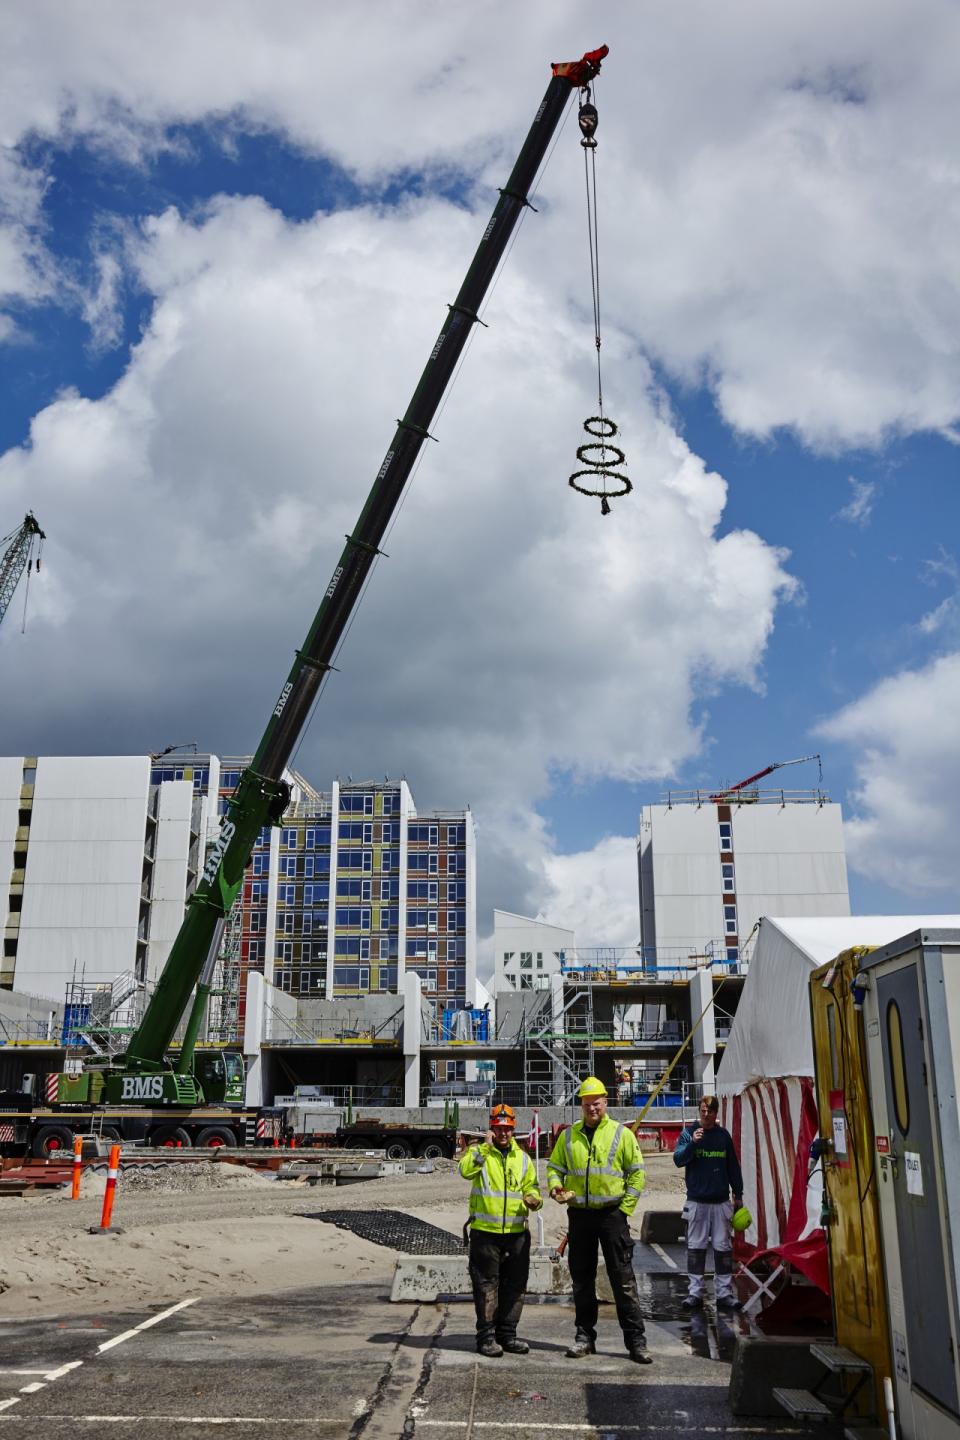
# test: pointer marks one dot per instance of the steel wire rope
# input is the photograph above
(451, 384)
(604, 467)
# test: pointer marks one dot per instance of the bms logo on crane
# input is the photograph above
(227, 832)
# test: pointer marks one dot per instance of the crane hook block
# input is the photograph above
(588, 119)
(599, 469)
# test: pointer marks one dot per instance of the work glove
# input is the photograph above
(562, 1197)
(532, 1202)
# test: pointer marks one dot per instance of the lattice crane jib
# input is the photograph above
(21, 551)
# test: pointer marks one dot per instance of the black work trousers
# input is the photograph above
(499, 1269)
(609, 1231)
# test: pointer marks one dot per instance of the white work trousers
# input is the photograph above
(709, 1225)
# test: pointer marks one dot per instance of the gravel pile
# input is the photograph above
(187, 1179)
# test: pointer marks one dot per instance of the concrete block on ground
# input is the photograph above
(425, 1277)
(761, 1362)
(663, 1227)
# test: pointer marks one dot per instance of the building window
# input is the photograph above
(451, 864)
(386, 834)
(730, 919)
(285, 951)
(388, 804)
(365, 889)
(432, 892)
(306, 924)
(284, 980)
(364, 947)
(729, 884)
(308, 867)
(432, 921)
(526, 959)
(507, 954)
(726, 835)
(287, 894)
(384, 947)
(433, 864)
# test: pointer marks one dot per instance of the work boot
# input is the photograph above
(490, 1348)
(692, 1302)
(640, 1356)
(728, 1302)
(515, 1347)
(582, 1345)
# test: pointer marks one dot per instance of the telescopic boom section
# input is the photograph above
(261, 796)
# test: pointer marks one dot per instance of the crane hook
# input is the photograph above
(588, 120)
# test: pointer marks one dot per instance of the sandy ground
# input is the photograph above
(224, 1231)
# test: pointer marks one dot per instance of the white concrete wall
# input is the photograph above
(788, 860)
(169, 877)
(81, 902)
(515, 933)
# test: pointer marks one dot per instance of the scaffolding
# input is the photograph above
(223, 1019)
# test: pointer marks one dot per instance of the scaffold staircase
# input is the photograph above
(558, 1049)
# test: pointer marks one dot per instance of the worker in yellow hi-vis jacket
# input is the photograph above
(504, 1191)
(596, 1168)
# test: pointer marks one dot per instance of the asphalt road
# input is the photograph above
(344, 1362)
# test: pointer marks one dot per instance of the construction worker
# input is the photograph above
(504, 1192)
(596, 1168)
(708, 1155)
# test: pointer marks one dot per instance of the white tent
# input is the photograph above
(765, 1080)
(771, 1034)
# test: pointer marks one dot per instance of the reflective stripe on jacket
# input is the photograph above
(602, 1173)
(500, 1181)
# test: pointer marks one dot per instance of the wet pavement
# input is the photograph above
(345, 1362)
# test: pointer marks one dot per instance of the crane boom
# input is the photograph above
(261, 795)
(767, 770)
(17, 554)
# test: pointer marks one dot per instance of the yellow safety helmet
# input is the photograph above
(590, 1087)
(742, 1219)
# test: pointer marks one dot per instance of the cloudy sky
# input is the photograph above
(228, 233)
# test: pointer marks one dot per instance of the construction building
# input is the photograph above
(527, 952)
(711, 865)
(353, 890)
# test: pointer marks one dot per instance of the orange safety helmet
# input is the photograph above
(502, 1117)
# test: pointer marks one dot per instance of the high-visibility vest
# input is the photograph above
(500, 1181)
(604, 1173)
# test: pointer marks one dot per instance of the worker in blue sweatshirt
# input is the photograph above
(706, 1152)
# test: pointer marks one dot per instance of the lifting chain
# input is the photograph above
(600, 459)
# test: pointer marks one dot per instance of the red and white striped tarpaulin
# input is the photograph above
(772, 1123)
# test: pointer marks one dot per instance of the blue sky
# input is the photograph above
(219, 289)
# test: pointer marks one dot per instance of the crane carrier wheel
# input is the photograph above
(51, 1140)
(168, 1136)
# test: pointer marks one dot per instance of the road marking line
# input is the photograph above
(64, 1370)
(587, 1427)
(145, 1325)
(33, 1388)
(343, 1422)
(5, 1404)
(23, 1372)
(663, 1255)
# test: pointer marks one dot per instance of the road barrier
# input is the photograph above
(109, 1193)
(77, 1166)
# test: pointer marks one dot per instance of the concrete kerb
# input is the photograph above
(427, 1277)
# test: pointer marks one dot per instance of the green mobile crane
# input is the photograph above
(146, 1073)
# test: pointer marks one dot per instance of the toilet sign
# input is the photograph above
(914, 1172)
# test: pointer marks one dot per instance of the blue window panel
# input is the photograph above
(347, 945)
